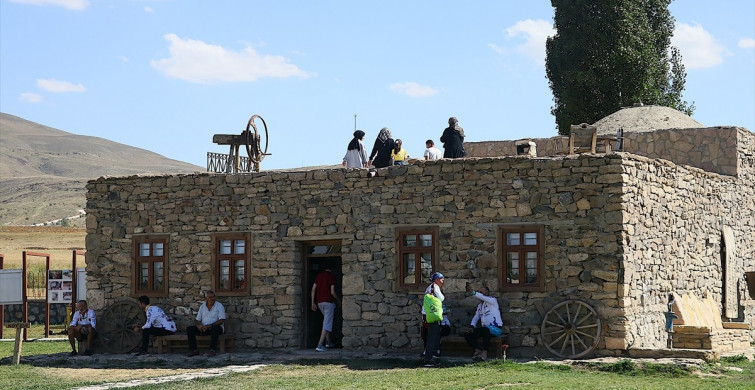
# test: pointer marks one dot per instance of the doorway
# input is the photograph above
(317, 256)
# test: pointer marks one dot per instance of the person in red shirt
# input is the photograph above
(325, 299)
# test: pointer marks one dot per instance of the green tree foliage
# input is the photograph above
(609, 54)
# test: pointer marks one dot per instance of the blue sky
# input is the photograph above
(165, 75)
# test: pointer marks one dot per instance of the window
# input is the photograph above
(522, 263)
(231, 264)
(417, 256)
(150, 271)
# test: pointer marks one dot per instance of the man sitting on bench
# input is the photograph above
(489, 315)
(157, 324)
(209, 321)
(82, 326)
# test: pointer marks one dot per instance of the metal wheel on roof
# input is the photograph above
(256, 144)
(571, 329)
(115, 326)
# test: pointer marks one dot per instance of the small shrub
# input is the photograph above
(624, 366)
(734, 359)
(670, 370)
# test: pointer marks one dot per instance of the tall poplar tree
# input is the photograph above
(609, 54)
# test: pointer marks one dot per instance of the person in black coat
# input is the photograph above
(453, 140)
(384, 144)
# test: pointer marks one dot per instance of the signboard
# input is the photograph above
(59, 286)
(11, 283)
(81, 283)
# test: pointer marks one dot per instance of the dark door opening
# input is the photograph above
(317, 257)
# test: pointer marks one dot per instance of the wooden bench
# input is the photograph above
(457, 346)
(225, 341)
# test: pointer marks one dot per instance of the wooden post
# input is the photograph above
(19, 326)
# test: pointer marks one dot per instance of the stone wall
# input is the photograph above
(712, 149)
(585, 204)
(14, 313)
(545, 147)
(674, 221)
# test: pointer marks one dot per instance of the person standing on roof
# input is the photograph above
(453, 140)
(356, 154)
(380, 157)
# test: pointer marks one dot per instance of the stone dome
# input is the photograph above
(645, 118)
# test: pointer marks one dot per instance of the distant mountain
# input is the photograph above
(43, 171)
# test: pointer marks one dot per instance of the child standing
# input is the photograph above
(432, 153)
(398, 155)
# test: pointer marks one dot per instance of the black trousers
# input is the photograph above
(214, 332)
(433, 340)
(152, 331)
(445, 330)
(472, 337)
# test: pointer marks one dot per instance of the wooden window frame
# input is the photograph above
(217, 257)
(420, 284)
(504, 248)
(137, 259)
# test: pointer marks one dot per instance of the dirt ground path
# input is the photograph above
(212, 372)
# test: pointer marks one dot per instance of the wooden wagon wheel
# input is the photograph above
(254, 141)
(571, 329)
(116, 323)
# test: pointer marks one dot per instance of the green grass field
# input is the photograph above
(386, 374)
(404, 374)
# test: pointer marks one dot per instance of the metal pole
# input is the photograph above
(355, 122)
(2, 307)
(47, 296)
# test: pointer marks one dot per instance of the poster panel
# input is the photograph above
(11, 286)
(59, 286)
(81, 283)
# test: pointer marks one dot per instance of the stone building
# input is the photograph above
(612, 234)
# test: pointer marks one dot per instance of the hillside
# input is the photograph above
(43, 171)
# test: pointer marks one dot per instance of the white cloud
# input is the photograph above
(699, 49)
(148, 9)
(30, 97)
(746, 43)
(413, 89)
(56, 86)
(535, 33)
(76, 5)
(200, 62)
(496, 48)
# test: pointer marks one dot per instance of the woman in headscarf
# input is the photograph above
(453, 139)
(383, 147)
(356, 154)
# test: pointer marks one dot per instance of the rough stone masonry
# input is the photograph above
(621, 232)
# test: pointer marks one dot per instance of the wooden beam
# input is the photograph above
(228, 139)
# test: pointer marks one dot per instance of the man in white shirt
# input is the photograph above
(157, 323)
(82, 325)
(432, 153)
(209, 321)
